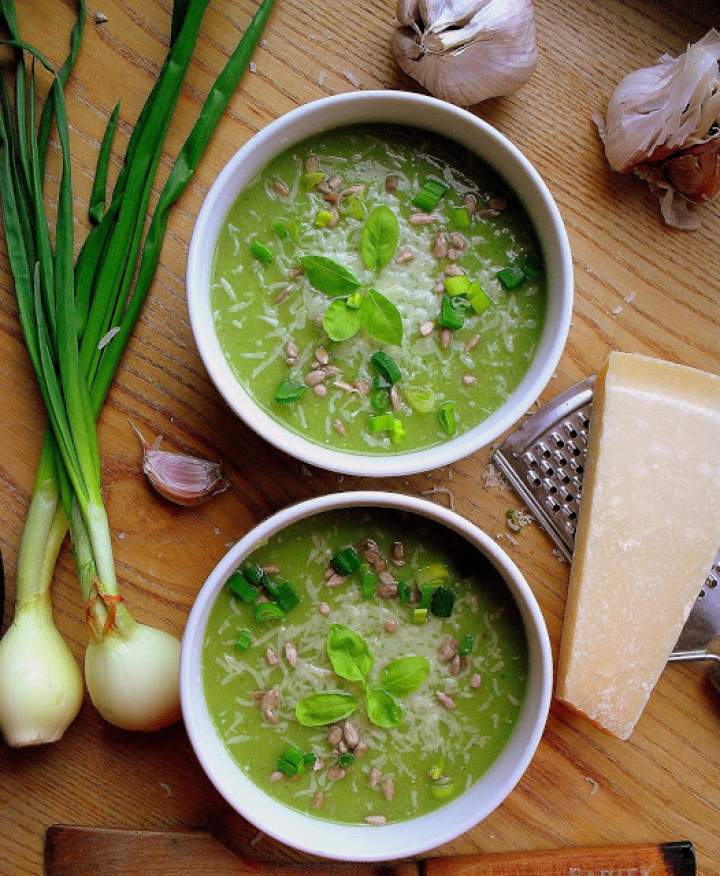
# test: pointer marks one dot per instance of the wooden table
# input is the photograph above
(664, 783)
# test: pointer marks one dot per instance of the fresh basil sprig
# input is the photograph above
(341, 321)
(328, 276)
(405, 675)
(380, 236)
(318, 709)
(377, 315)
(349, 653)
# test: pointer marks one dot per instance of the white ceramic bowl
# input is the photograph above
(408, 109)
(362, 842)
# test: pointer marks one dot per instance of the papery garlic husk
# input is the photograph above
(663, 123)
(182, 479)
(466, 51)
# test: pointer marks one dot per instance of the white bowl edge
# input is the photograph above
(354, 842)
(430, 114)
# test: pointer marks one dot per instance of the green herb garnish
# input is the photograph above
(405, 675)
(380, 237)
(368, 582)
(349, 653)
(478, 297)
(403, 592)
(346, 759)
(261, 252)
(346, 561)
(312, 180)
(386, 367)
(291, 762)
(319, 709)
(511, 277)
(443, 600)
(431, 191)
(285, 596)
(266, 612)
(328, 276)
(452, 312)
(244, 640)
(381, 318)
(466, 645)
(383, 709)
(242, 588)
(281, 230)
(341, 321)
(323, 218)
(420, 398)
(288, 391)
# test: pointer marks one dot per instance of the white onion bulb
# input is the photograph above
(133, 677)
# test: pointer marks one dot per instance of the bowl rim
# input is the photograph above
(276, 137)
(397, 839)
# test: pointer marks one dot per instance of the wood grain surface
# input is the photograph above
(583, 787)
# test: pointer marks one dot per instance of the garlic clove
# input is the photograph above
(465, 51)
(180, 478)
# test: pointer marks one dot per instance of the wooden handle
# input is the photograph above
(666, 859)
(88, 851)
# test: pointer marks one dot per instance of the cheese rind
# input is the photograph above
(648, 531)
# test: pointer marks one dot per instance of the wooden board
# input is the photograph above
(583, 787)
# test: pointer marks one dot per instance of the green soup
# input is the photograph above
(421, 649)
(422, 253)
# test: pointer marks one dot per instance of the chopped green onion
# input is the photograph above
(309, 758)
(385, 366)
(355, 207)
(288, 392)
(479, 299)
(381, 423)
(346, 759)
(254, 574)
(441, 792)
(511, 277)
(459, 285)
(280, 230)
(244, 640)
(268, 611)
(420, 616)
(312, 180)
(443, 600)
(369, 582)
(346, 561)
(452, 312)
(242, 588)
(286, 597)
(261, 252)
(379, 396)
(355, 300)
(429, 196)
(435, 573)
(436, 771)
(398, 431)
(460, 217)
(403, 592)
(420, 398)
(291, 762)
(466, 646)
(426, 595)
(323, 218)
(447, 418)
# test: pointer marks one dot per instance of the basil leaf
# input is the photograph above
(348, 653)
(380, 236)
(328, 276)
(381, 319)
(383, 709)
(405, 675)
(447, 418)
(340, 321)
(318, 709)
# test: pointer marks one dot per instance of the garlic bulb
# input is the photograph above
(42, 686)
(663, 123)
(132, 675)
(182, 479)
(465, 51)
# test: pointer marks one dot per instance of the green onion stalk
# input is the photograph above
(131, 669)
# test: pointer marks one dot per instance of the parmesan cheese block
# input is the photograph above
(648, 531)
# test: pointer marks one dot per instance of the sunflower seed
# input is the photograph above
(352, 737)
(361, 748)
(472, 343)
(324, 609)
(390, 626)
(375, 819)
(387, 591)
(453, 271)
(362, 386)
(312, 163)
(320, 390)
(446, 337)
(276, 776)
(470, 202)
(391, 183)
(336, 580)
(447, 650)
(454, 668)
(446, 701)
(335, 181)
(312, 378)
(395, 401)
(423, 218)
(281, 187)
(404, 256)
(335, 773)
(271, 657)
(457, 240)
(291, 653)
(475, 680)
(427, 327)
(498, 204)
(374, 777)
(335, 734)
(388, 789)
(318, 799)
(440, 245)
(469, 380)
(339, 427)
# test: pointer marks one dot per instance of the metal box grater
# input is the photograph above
(544, 461)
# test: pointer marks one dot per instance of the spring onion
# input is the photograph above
(261, 252)
(442, 792)
(460, 217)
(426, 594)
(452, 312)
(447, 417)
(346, 759)
(385, 366)
(239, 586)
(419, 616)
(398, 431)
(355, 207)
(131, 668)
(459, 285)
(346, 561)
(429, 196)
(254, 575)
(511, 277)
(286, 597)
(420, 398)
(442, 602)
(312, 180)
(289, 391)
(403, 592)
(379, 396)
(368, 583)
(309, 758)
(266, 612)
(291, 762)
(381, 423)
(323, 218)
(243, 640)
(280, 230)
(466, 645)
(478, 297)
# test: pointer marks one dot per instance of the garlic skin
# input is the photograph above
(133, 677)
(466, 51)
(182, 479)
(663, 124)
(42, 688)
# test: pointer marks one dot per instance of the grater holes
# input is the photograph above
(558, 440)
(533, 479)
